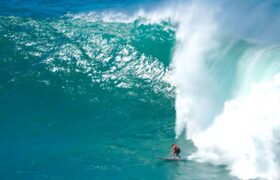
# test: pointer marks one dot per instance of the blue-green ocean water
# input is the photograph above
(85, 97)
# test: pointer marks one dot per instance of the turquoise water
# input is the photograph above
(86, 91)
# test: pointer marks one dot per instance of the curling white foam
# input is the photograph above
(194, 86)
(245, 136)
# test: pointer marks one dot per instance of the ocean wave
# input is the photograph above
(225, 77)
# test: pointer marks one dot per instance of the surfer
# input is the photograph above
(176, 150)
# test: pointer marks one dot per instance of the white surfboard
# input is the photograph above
(172, 159)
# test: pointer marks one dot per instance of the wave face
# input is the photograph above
(227, 86)
(86, 48)
(82, 95)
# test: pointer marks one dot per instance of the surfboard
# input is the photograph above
(172, 159)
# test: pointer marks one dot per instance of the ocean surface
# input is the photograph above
(99, 89)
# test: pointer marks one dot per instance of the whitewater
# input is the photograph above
(227, 89)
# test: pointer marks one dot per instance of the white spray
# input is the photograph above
(245, 135)
(194, 85)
